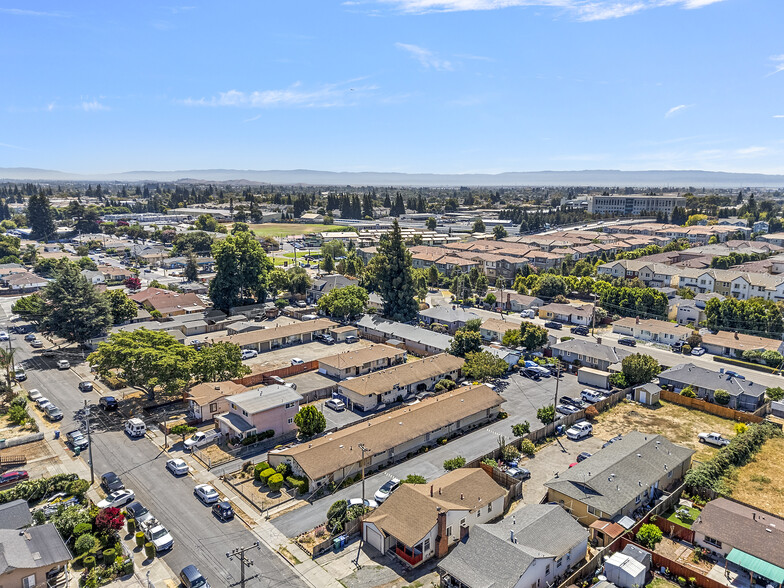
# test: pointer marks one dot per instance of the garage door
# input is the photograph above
(374, 537)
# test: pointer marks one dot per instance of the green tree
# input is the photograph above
(206, 222)
(122, 308)
(431, 224)
(242, 271)
(337, 516)
(546, 414)
(395, 277)
(521, 429)
(432, 276)
(300, 281)
(511, 338)
(775, 394)
(30, 307)
(721, 397)
(649, 535)
(196, 241)
(549, 286)
(414, 479)
(499, 232)
(345, 302)
(30, 254)
(479, 226)
(183, 430)
(454, 463)
(483, 365)
(533, 336)
(219, 362)
(72, 308)
(40, 217)
(280, 281)
(688, 392)
(334, 249)
(146, 359)
(465, 342)
(639, 369)
(310, 421)
(191, 268)
(328, 264)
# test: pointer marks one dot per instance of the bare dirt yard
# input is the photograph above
(678, 423)
(761, 481)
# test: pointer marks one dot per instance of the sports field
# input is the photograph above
(284, 229)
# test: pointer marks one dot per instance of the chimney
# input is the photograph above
(637, 320)
(439, 491)
(736, 334)
(511, 535)
(463, 533)
(442, 541)
(461, 496)
(431, 490)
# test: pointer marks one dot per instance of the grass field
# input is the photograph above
(284, 229)
(679, 424)
(686, 521)
(761, 481)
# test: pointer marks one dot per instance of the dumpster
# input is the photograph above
(57, 434)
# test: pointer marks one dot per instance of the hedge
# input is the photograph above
(299, 484)
(89, 562)
(149, 550)
(139, 539)
(266, 474)
(34, 490)
(746, 364)
(259, 467)
(275, 482)
(108, 556)
(250, 439)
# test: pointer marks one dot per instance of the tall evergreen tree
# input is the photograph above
(191, 268)
(396, 278)
(40, 217)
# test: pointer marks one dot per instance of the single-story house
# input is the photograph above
(24, 282)
(493, 329)
(94, 276)
(400, 381)
(340, 333)
(619, 479)
(453, 317)
(744, 394)
(258, 410)
(589, 353)
(421, 521)
(279, 336)
(168, 303)
(391, 436)
(415, 339)
(536, 546)
(566, 313)
(510, 356)
(733, 344)
(512, 301)
(752, 541)
(32, 556)
(360, 362)
(651, 330)
(325, 284)
(207, 400)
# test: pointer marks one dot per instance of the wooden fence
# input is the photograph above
(711, 408)
(675, 568)
(674, 530)
(284, 372)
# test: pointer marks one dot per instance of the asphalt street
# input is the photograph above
(199, 538)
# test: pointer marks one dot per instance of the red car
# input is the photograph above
(13, 476)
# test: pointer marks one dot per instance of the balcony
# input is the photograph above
(411, 556)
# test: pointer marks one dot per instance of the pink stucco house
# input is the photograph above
(262, 409)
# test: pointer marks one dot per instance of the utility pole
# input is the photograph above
(555, 402)
(239, 553)
(363, 449)
(89, 442)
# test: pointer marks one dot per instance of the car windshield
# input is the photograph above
(158, 533)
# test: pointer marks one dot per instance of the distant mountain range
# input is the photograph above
(597, 178)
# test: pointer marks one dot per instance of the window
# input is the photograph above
(568, 556)
(29, 582)
(669, 474)
(213, 407)
(462, 522)
(290, 404)
(479, 512)
(245, 413)
(637, 500)
(489, 507)
(449, 531)
(426, 545)
(547, 570)
(558, 563)
(290, 421)
(593, 511)
(712, 541)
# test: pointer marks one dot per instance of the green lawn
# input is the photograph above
(661, 583)
(283, 229)
(686, 521)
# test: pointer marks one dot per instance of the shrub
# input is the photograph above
(89, 562)
(721, 397)
(84, 544)
(509, 452)
(649, 535)
(299, 484)
(127, 567)
(681, 580)
(139, 539)
(521, 429)
(740, 428)
(108, 556)
(688, 392)
(78, 487)
(454, 463)
(442, 441)
(266, 475)
(149, 550)
(82, 528)
(284, 469)
(776, 393)
(275, 481)
(686, 349)
(258, 468)
(527, 447)
(336, 516)
(490, 461)
(131, 525)
(591, 412)
(414, 479)
(109, 519)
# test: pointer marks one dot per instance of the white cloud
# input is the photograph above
(778, 116)
(88, 106)
(752, 151)
(778, 64)
(9, 146)
(295, 96)
(586, 10)
(24, 12)
(425, 57)
(676, 109)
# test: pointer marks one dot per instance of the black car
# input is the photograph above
(111, 482)
(583, 456)
(613, 440)
(86, 386)
(30, 337)
(108, 403)
(191, 577)
(677, 347)
(138, 512)
(627, 341)
(223, 510)
(579, 330)
(553, 325)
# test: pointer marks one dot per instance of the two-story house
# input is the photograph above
(269, 408)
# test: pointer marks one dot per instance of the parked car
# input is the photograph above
(388, 487)
(77, 439)
(177, 466)
(553, 325)
(201, 438)
(519, 473)
(358, 502)
(36, 343)
(297, 361)
(138, 512)
(53, 413)
(579, 330)
(223, 510)
(206, 493)
(34, 394)
(86, 386)
(352, 339)
(19, 373)
(591, 396)
(713, 439)
(30, 337)
(628, 341)
(111, 482)
(42, 402)
(108, 403)
(583, 456)
(613, 440)
(573, 402)
(191, 577)
(735, 375)
(528, 313)
(698, 351)
(117, 499)
(677, 347)
(4, 336)
(63, 364)
(566, 409)
(249, 353)
(335, 404)
(579, 430)
(158, 535)
(13, 476)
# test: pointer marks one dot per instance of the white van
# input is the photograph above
(202, 438)
(135, 427)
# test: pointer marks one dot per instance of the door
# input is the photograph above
(374, 537)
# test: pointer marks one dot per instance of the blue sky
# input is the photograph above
(445, 86)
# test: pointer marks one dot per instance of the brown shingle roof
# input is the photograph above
(499, 326)
(741, 341)
(403, 375)
(264, 335)
(410, 512)
(334, 451)
(211, 391)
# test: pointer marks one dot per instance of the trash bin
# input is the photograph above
(77, 450)
(336, 544)
(342, 541)
(57, 434)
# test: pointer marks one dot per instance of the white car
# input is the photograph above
(177, 466)
(566, 409)
(297, 361)
(206, 493)
(335, 404)
(4, 336)
(42, 402)
(383, 493)
(117, 499)
(698, 351)
(34, 394)
(358, 502)
(158, 536)
(249, 353)
(579, 430)
(63, 364)
(591, 396)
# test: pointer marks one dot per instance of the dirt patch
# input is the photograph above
(761, 481)
(9, 430)
(214, 455)
(683, 554)
(678, 423)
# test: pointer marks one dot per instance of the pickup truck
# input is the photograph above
(713, 439)
(157, 534)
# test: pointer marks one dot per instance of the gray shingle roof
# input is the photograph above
(15, 515)
(448, 314)
(614, 476)
(404, 332)
(265, 398)
(688, 373)
(33, 548)
(489, 558)
(593, 350)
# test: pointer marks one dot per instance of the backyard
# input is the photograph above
(679, 424)
(761, 481)
(684, 516)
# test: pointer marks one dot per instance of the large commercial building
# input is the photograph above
(634, 204)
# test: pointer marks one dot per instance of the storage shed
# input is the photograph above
(594, 378)
(624, 571)
(647, 394)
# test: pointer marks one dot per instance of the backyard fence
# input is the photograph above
(284, 372)
(24, 439)
(710, 408)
